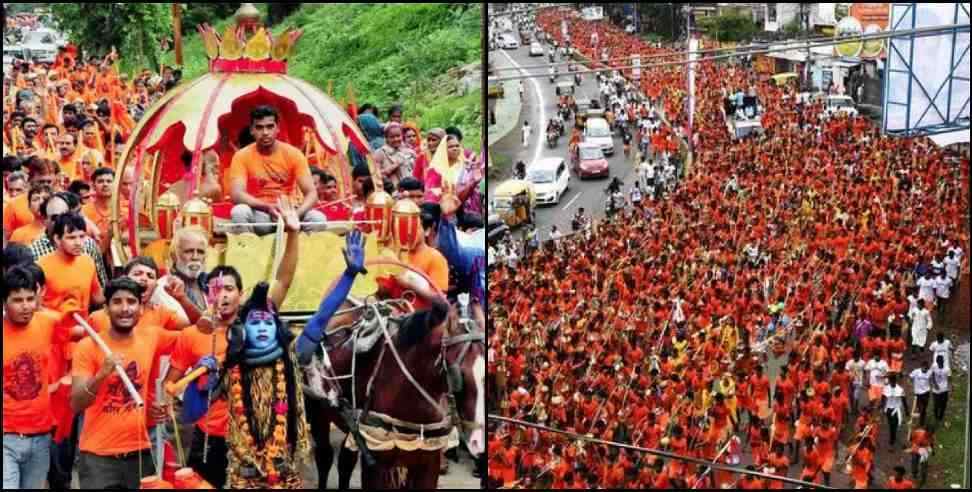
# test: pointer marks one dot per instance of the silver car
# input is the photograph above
(598, 132)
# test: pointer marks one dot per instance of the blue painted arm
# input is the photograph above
(450, 248)
(314, 331)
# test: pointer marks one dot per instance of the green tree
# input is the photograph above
(135, 29)
(197, 13)
(732, 27)
(662, 19)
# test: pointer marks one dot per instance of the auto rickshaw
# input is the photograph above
(514, 201)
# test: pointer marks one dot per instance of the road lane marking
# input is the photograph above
(543, 113)
(571, 202)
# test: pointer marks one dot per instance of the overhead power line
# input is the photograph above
(655, 452)
(745, 51)
(920, 32)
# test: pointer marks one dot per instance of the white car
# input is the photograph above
(550, 178)
(508, 42)
(536, 49)
(598, 132)
(835, 104)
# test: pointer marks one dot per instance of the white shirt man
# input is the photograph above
(526, 133)
(921, 380)
(855, 367)
(943, 348)
(926, 288)
(921, 324)
(939, 379)
(636, 195)
(943, 287)
(877, 370)
(894, 399)
(952, 264)
(555, 234)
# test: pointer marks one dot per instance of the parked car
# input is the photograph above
(598, 132)
(42, 45)
(550, 179)
(835, 104)
(589, 161)
(536, 49)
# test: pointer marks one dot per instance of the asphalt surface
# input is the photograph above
(539, 105)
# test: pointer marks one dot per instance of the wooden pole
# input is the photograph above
(177, 32)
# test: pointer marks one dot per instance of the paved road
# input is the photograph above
(540, 104)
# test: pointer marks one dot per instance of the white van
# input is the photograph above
(550, 178)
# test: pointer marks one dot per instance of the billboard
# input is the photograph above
(862, 18)
(927, 75)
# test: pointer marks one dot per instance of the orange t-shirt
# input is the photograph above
(189, 348)
(431, 262)
(27, 234)
(71, 281)
(101, 218)
(26, 372)
(17, 213)
(267, 177)
(151, 319)
(904, 484)
(69, 167)
(112, 424)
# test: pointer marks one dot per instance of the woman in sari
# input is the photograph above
(425, 151)
(457, 174)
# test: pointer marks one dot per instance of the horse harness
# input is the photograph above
(365, 332)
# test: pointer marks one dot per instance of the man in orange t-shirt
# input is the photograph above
(98, 210)
(114, 443)
(898, 481)
(29, 233)
(72, 280)
(266, 170)
(196, 343)
(16, 212)
(67, 146)
(28, 335)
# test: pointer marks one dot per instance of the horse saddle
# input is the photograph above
(369, 331)
(364, 336)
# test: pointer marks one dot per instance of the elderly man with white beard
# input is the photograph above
(188, 248)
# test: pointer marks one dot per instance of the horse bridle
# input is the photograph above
(453, 372)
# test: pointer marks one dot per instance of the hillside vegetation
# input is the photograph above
(405, 53)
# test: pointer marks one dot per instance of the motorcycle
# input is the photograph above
(552, 138)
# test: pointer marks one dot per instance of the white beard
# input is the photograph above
(191, 270)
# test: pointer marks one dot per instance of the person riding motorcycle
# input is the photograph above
(519, 170)
(580, 221)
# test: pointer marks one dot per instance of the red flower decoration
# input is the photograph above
(280, 408)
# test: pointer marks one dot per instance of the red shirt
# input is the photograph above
(335, 212)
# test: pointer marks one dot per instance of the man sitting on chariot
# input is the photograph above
(267, 169)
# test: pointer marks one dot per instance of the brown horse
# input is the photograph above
(395, 403)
